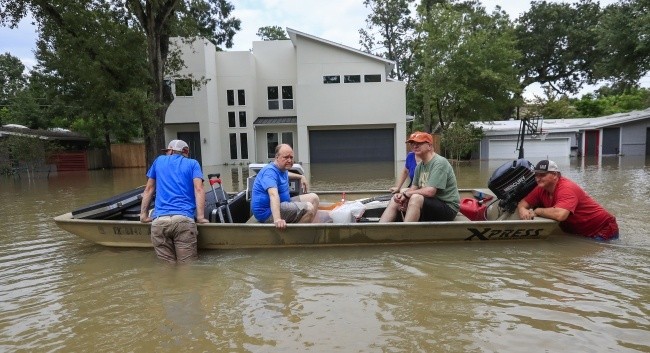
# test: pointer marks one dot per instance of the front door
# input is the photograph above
(592, 140)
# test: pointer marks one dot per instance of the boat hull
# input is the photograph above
(119, 233)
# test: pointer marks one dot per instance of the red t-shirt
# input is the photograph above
(587, 217)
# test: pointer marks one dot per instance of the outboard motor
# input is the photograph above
(511, 182)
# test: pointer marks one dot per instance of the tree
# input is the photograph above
(460, 139)
(12, 78)
(388, 32)
(465, 65)
(85, 32)
(557, 41)
(272, 33)
(624, 42)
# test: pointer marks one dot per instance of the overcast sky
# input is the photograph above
(335, 20)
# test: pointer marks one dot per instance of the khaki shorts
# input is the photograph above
(174, 238)
(291, 211)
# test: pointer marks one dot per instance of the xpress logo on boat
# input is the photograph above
(501, 234)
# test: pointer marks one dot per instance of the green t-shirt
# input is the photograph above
(439, 174)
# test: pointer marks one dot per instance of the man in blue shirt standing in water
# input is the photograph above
(177, 182)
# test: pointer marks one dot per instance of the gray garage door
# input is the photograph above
(363, 145)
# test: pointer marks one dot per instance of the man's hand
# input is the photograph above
(202, 220)
(303, 184)
(145, 218)
(526, 213)
(280, 224)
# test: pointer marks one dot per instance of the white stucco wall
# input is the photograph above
(300, 63)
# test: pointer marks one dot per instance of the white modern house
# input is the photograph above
(618, 134)
(332, 103)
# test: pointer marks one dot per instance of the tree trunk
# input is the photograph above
(154, 18)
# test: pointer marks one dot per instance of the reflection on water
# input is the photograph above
(61, 293)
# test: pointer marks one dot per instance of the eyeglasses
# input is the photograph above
(413, 144)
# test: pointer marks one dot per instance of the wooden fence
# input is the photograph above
(128, 155)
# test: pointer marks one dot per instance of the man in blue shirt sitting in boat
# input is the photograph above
(408, 171)
(271, 201)
(434, 194)
(178, 185)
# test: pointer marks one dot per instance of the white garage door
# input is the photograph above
(533, 149)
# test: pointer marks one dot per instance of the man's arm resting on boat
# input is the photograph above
(303, 180)
(199, 195)
(146, 199)
(555, 213)
(275, 208)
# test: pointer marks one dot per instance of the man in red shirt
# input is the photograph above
(559, 198)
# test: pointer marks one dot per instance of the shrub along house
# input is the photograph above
(330, 102)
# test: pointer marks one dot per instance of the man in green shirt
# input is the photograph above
(434, 193)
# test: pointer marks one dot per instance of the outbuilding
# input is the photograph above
(618, 134)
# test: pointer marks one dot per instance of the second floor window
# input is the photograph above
(351, 78)
(183, 87)
(230, 97)
(276, 94)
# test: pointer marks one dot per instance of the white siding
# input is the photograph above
(533, 149)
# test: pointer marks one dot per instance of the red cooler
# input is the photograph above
(473, 209)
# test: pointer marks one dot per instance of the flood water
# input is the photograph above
(60, 293)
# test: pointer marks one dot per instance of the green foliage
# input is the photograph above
(591, 105)
(388, 33)
(459, 140)
(558, 41)
(272, 33)
(20, 152)
(607, 101)
(12, 79)
(106, 61)
(624, 42)
(465, 59)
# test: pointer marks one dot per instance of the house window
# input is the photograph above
(273, 94)
(371, 78)
(231, 119)
(233, 146)
(273, 139)
(271, 144)
(241, 97)
(183, 87)
(230, 97)
(351, 78)
(332, 79)
(287, 137)
(242, 119)
(243, 139)
(287, 97)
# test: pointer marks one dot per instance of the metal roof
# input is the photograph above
(564, 125)
(276, 120)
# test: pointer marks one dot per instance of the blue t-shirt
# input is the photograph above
(268, 177)
(174, 175)
(410, 164)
